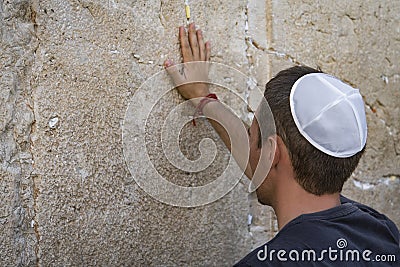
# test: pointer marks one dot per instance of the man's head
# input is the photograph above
(316, 172)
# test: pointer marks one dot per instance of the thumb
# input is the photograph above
(168, 63)
(170, 66)
(173, 72)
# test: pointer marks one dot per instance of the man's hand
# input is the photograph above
(191, 81)
(191, 78)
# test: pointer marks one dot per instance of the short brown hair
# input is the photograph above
(317, 172)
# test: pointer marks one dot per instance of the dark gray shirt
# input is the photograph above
(351, 234)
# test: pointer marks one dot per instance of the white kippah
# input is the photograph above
(329, 114)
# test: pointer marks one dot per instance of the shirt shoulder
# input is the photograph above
(352, 223)
(375, 217)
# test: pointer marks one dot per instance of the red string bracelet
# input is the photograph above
(199, 109)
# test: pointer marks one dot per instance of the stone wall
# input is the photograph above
(68, 72)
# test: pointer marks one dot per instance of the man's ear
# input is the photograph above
(271, 151)
(276, 142)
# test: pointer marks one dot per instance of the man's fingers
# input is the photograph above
(193, 41)
(202, 47)
(185, 47)
(193, 46)
(208, 51)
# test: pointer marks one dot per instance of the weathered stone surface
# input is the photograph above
(68, 72)
(17, 44)
(91, 58)
(382, 194)
(356, 41)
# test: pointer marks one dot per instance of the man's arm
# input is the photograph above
(228, 126)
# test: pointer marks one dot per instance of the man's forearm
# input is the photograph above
(232, 131)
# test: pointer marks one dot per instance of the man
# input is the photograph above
(319, 140)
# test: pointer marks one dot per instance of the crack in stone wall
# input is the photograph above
(32, 83)
(272, 51)
(262, 223)
(386, 180)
